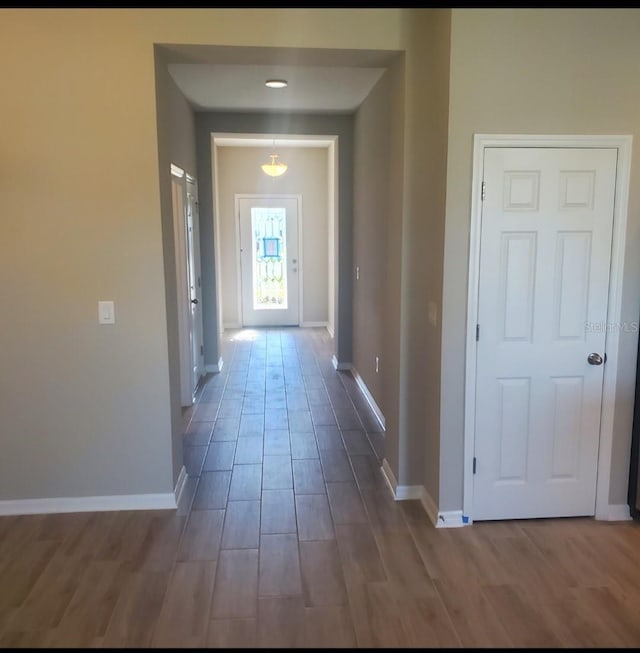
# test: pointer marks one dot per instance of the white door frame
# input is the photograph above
(623, 145)
(180, 249)
(197, 329)
(275, 196)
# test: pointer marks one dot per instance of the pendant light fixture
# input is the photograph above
(274, 168)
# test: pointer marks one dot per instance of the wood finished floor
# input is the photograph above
(286, 536)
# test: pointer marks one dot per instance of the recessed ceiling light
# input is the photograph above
(276, 83)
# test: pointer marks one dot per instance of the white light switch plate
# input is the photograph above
(106, 312)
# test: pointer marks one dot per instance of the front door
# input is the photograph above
(545, 249)
(269, 261)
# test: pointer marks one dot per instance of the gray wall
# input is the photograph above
(377, 245)
(372, 168)
(425, 157)
(255, 123)
(393, 282)
(239, 172)
(176, 144)
(566, 72)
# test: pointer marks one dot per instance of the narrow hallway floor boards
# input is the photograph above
(287, 535)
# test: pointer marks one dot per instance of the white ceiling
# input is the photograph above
(239, 87)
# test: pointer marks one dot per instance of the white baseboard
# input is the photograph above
(389, 477)
(231, 325)
(180, 483)
(619, 512)
(330, 330)
(451, 519)
(215, 369)
(429, 506)
(369, 397)
(444, 519)
(407, 492)
(313, 325)
(399, 492)
(341, 367)
(88, 504)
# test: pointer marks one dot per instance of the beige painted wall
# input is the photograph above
(426, 115)
(86, 409)
(239, 172)
(535, 71)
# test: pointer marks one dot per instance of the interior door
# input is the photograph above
(182, 294)
(194, 284)
(547, 219)
(269, 261)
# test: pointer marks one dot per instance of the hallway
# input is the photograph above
(282, 448)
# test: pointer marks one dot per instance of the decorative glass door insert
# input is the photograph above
(269, 265)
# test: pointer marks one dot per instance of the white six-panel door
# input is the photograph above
(545, 247)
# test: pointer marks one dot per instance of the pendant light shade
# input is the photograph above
(275, 168)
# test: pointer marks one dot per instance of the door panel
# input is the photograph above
(545, 249)
(269, 261)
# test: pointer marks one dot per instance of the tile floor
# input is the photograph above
(285, 450)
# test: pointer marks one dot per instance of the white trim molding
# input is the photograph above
(429, 506)
(341, 367)
(215, 369)
(623, 143)
(399, 492)
(444, 519)
(389, 477)
(314, 325)
(180, 483)
(451, 519)
(619, 512)
(177, 171)
(369, 397)
(232, 325)
(88, 504)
